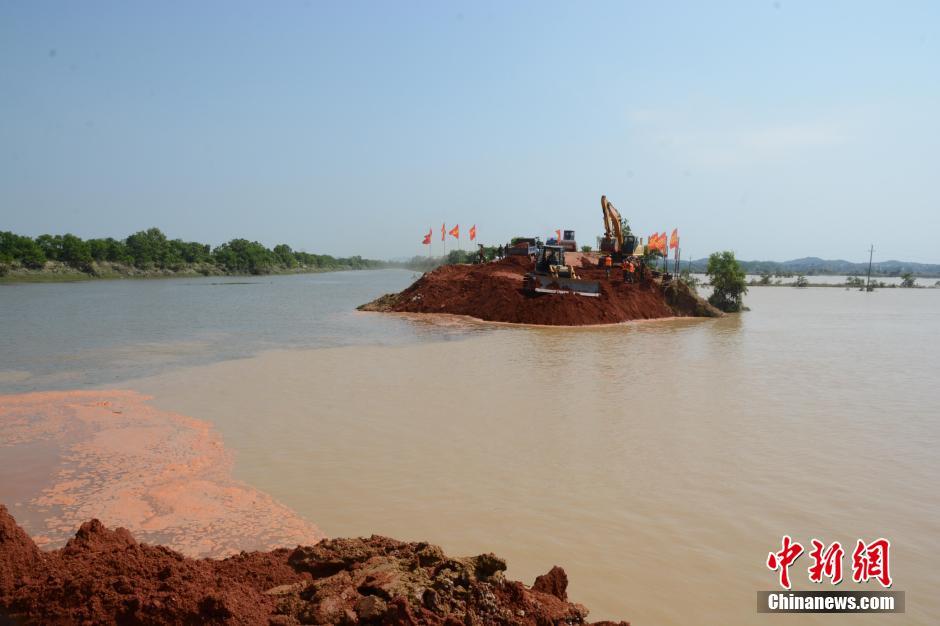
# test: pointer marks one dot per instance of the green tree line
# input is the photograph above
(150, 249)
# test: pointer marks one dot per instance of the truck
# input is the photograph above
(524, 246)
(567, 241)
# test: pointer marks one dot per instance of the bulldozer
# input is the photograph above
(614, 242)
(553, 275)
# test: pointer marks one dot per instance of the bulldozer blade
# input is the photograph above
(550, 284)
(567, 292)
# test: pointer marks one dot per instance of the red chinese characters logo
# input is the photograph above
(869, 561)
(826, 562)
(784, 559)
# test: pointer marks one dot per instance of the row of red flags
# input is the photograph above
(453, 232)
(659, 241)
(656, 241)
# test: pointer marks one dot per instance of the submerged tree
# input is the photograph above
(729, 283)
(907, 280)
(801, 281)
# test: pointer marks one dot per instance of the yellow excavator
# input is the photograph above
(614, 242)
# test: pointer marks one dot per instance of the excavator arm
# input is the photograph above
(613, 227)
(607, 227)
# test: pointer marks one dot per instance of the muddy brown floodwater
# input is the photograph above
(657, 462)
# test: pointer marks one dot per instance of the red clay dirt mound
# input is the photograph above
(104, 576)
(493, 292)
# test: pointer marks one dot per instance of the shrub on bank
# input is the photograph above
(729, 283)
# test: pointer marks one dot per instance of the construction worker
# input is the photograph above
(608, 263)
(481, 254)
(628, 269)
(499, 251)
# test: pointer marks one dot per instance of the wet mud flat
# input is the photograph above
(111, 455)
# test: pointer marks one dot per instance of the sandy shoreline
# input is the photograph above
(109, 454)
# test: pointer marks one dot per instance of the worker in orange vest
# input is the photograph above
(628, 270)
(608, 263)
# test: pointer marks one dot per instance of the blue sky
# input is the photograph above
(776, 129)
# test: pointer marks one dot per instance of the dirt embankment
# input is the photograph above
(105, 576)
(494, 292)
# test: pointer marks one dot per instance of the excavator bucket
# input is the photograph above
(540, 283)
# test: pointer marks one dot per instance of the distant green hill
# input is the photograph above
(811, 266)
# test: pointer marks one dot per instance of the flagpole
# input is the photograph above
(665, 255)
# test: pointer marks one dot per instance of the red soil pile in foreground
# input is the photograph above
(493, 292)
(104, 576)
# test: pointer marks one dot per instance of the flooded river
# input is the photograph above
(658, 462)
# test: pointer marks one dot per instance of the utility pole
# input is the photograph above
(871, 253)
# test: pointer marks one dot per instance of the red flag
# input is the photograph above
(674, 239)
(427, 238)
(443, 232)
(657, 242)
(455, 232)
(558, 235)
(473, 232)
(663, 243)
